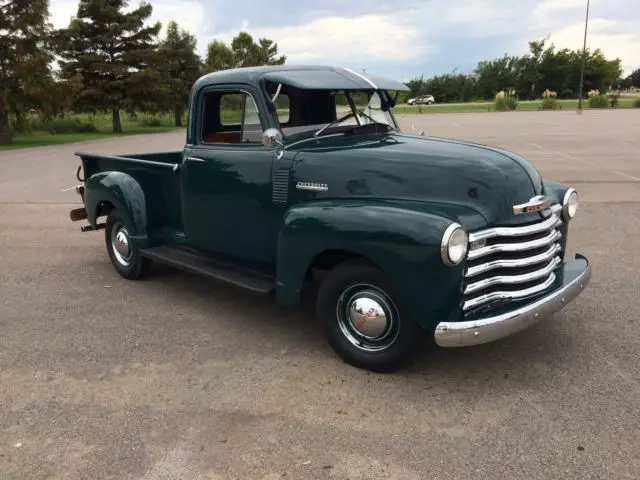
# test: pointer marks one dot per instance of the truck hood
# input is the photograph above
(412, 168)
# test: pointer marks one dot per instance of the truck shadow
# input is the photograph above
(538, 354)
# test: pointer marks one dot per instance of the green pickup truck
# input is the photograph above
(292, 174)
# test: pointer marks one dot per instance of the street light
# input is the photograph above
(584, 52)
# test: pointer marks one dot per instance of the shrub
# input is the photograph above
(151, 122)
(505, 101)
(636, 103)
(70, 125)
(598, 101)
(550, 104)
(549, 101)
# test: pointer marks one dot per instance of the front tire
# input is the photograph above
(122, 250)
(363, 320)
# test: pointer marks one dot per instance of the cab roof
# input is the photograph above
(305, 77)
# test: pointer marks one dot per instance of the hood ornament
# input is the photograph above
(534, 204)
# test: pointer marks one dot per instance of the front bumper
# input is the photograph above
(574, 274)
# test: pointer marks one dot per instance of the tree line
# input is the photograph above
(528, 76)
(111, 60)
(108, 60)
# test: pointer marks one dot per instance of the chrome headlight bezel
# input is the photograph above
(569, 204)
(454, 237)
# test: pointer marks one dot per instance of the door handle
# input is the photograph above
(194, 159)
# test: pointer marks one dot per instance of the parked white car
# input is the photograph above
(422, 100)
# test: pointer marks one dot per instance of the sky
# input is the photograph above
(412, 38)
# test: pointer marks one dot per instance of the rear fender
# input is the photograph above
(402, 242)
(125, 194)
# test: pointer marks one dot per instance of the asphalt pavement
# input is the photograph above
(176, 377)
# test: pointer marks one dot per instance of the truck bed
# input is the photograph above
(159, 177)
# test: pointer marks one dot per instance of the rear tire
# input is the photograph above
(122, 250)
(364, 321)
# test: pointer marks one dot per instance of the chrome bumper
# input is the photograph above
(575, 276)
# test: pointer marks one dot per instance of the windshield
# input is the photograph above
(303, 113)
(371, 106)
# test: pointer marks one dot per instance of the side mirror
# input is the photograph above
(272, 137)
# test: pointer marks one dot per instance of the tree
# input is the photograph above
(632, 80)
(219, 57)
(110, 50)
(24, 60)
(243, 52)
(179, 66)
(528, 68)
(495, 75)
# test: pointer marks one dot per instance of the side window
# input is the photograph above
(231, 105)
(230, 118)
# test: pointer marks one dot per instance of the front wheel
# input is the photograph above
(363, 320)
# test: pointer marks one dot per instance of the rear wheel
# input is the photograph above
(363, 320)
(122, 249)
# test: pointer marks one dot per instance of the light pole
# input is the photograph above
(584, 52)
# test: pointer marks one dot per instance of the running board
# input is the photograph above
(202, 264)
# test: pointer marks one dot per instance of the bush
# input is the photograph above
(151, 122)
(636, 103)
(505, 101)
(598, 101)
(549, 101)
(70, 125)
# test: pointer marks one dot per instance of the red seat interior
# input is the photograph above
(223, 137)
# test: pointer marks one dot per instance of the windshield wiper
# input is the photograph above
(338, 120)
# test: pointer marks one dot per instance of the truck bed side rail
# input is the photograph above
(150, 163)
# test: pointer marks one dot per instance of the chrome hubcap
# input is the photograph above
(367, 317)
(120, 245)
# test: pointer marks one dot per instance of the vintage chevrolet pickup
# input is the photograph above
(292, 170)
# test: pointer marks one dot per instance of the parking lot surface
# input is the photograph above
(176, 377)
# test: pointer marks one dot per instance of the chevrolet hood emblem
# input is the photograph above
(535, 204)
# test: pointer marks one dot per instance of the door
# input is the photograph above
(226, 190)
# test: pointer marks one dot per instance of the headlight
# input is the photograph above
(453, 247)
(570, 204)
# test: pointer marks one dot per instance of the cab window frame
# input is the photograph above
(220, 91)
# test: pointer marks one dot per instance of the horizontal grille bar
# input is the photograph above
(514, 263)
(513, 279)
(548, 239)
(489, 297)
(551, 222)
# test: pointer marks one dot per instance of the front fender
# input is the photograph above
(125, 194)
(403, 242)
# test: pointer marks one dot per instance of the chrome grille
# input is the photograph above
(514, 262)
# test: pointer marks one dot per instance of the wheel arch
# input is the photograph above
(330, 258)
(109, 191)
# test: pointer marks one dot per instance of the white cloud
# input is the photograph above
(607, 35)
(551, 7)
(410, 35)
(190, 14)
(336, 39)
(62, 11)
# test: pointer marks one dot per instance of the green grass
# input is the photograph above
(40, 139)
(526, 105)
(37, 134)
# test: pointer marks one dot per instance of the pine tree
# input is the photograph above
(24, 60)
(110, 50)
(179, 67)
